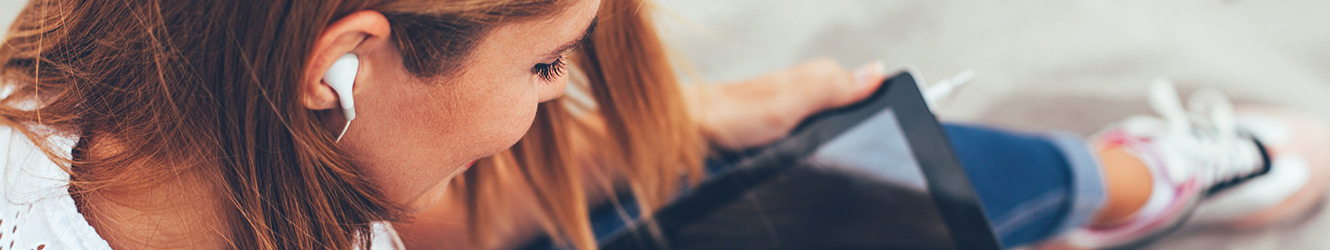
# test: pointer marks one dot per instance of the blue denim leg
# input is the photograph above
(1033, 187)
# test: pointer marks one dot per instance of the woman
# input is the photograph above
(200, 124)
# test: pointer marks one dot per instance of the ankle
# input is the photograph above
(1128, 182)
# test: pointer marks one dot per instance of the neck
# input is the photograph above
(183, 211)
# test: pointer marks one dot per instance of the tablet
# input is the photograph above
(878, 174)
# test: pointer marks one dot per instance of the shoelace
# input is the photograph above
(1210, 129)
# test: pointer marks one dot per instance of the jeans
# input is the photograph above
(1033, 186)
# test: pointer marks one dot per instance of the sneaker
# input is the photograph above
(1213, 164)
(1297, 180)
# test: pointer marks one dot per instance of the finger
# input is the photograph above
(873, 72)
(867, 79)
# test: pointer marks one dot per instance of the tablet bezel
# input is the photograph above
(948, 184)
(947, 181)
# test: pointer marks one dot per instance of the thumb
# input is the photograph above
(867, 78)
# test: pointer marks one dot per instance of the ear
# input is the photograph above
(359, 33)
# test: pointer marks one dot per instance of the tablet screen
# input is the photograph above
(861, 189)
(875, 152)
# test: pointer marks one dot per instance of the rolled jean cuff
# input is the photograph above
(1089, 191)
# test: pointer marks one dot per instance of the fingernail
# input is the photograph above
(870, 72)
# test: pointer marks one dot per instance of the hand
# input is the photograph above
(761, 110)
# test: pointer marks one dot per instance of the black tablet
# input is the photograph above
(879, 174)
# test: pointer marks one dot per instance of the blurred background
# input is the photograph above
(1071, 65)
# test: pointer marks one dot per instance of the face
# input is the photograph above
(412, 135)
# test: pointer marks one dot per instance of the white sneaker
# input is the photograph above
(1197, 153)
(1297, 180)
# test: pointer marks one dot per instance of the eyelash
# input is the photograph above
(550, 71)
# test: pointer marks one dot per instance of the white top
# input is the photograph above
(36, 210)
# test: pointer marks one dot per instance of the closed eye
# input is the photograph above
(554, 70)
(549, 71)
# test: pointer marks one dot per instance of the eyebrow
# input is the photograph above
(586, 37)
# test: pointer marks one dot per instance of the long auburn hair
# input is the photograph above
(210, 86)
(638, 123)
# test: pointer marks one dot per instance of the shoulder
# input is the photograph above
(36, 209)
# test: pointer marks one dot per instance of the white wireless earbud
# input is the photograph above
(342, 77)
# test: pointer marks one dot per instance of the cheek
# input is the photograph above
(510, 121)
(550, 91)
(501, 116)
(465, 121)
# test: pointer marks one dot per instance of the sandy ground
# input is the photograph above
(1041, 64)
